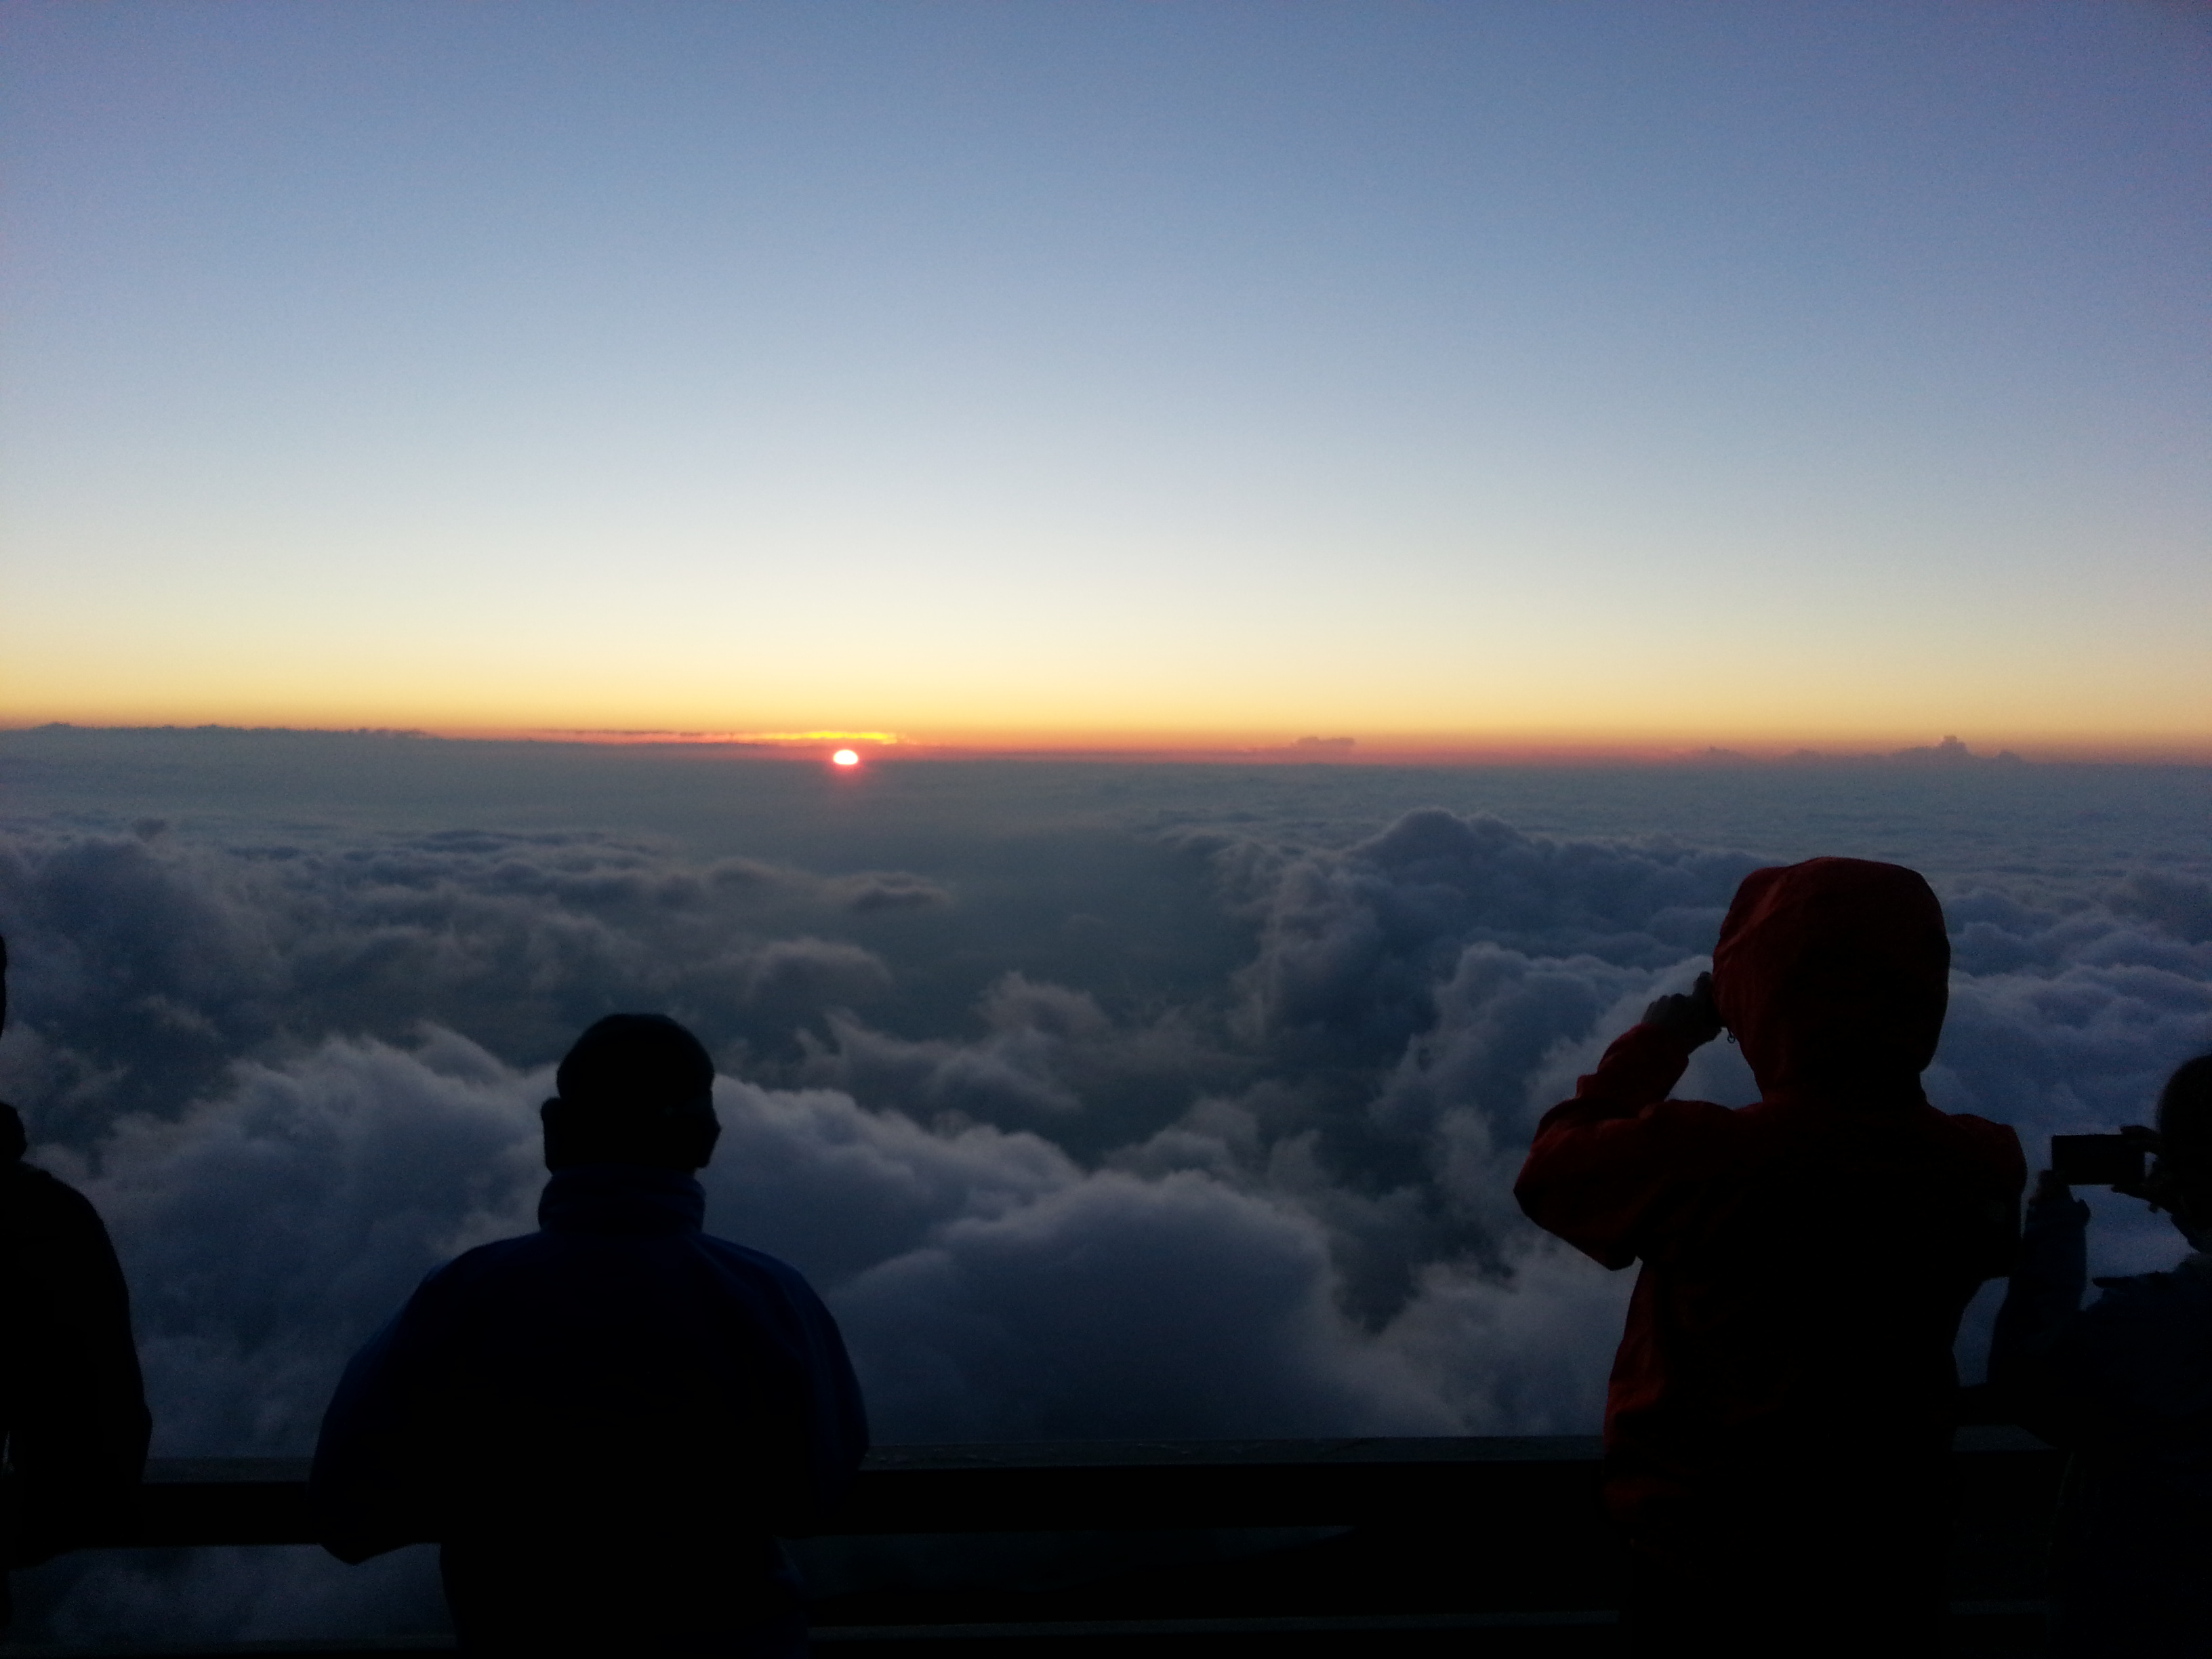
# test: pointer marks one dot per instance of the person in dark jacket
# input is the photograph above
(1780, 1420)
(2125, 1385)
(72, 1407)
(607, 1423)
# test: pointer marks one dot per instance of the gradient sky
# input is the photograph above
(1450, 374)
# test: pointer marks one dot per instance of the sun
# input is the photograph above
(845, 758)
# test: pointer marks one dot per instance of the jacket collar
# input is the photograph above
(622, 1198)
(1860, 1094)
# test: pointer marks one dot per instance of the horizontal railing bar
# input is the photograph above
(1074, 1633)
(1241, 1454)
(1087, 1485)
(279, 1648)
(1379, 1624)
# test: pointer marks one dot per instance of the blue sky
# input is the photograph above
(1663, 373)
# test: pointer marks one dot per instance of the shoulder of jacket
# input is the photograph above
(759, 1264)
(1696, 1118)
(1977, 1128)
(34, 1185)
(1711, 1115)
(482, 1259)
(1997, 1144)
(1704, 1113)
(730, 1250)
(1690, 1127)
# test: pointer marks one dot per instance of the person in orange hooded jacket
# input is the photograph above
(1779, 1418)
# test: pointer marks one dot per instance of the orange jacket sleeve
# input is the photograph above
(1603, 1165)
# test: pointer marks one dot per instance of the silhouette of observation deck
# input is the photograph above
(1481, 1546)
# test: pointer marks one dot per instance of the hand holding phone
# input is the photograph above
(2114, 1161)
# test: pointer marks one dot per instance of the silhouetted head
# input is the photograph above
(2185, 1137)
(1833, 971)
(635, 1088)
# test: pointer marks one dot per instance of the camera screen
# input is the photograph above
(2095, 1160)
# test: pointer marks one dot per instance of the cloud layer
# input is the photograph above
(297, 1076)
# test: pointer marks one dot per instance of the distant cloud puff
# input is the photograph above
(806, 973)
(887, 890)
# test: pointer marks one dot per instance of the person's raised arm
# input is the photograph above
(1597, 1163)
(2049, 1275)
(2053, 1363)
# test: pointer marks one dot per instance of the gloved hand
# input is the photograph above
(1688, 1015)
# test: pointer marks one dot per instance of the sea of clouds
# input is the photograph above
(1139, 1120)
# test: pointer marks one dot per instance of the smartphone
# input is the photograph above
(2097, 1160)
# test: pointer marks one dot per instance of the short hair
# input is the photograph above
(641, 1065)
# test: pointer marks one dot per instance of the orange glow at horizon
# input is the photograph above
(1417, 704)
(1525, 746)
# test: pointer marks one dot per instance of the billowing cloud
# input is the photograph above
(147, 964)
(296, 1074)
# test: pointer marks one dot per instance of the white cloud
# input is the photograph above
(1273, 1201)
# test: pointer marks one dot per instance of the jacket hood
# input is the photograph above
(1835, 969)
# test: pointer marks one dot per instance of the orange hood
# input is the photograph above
(1834, 968)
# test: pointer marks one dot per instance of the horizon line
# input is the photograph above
(1165, 749)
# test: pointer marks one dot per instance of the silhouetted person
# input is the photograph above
(2126, 1385)
(605, 1422)
(72, 1409)
(1779, 1424)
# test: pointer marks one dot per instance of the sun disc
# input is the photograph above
(846, 758)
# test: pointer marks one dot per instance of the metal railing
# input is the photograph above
(1083, 1486)
(1433, 1543)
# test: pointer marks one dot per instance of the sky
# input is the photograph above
(1100, 1102)
(1450, 376)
